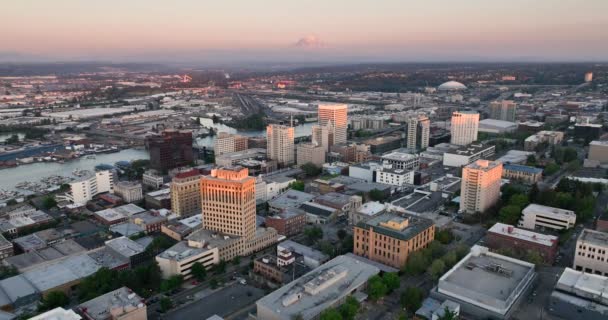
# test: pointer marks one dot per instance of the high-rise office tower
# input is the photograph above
(228, 202)
(480, 186)
(279, 144)
(336, 116)
(172, 149)
(588, 76)
(323, 136)
(464, 127)
(185, 193)
(418, 132)
(504, 110)
(227, 143)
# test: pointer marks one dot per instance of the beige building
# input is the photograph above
(390, 239)
(598, 152)
(129, 191)
(179, 258)
(591, 252)
(185, 193)
(480, 186)
(120, 304)
(336, 117)
(279, 144)
(464, 127)
(227, 143)
(526, 174)
(323, 136)
(549, 137)
(418, 132)
(536, 216)
(309, 152)
(504, 110)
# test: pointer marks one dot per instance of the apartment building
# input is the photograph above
(480, 186)
(279, 144)
(464, 127)
(185, 193)
(590, 254)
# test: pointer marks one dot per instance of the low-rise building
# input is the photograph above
(289, 199)
(160, 199)
(543, 217)
(496, 126)
(127, 248)
(401, 159)
(390, 239)
(579, 295)
(150, 221)
(310, 257)
(590, 254)
(485, 284)
(120, 304)
(178, 259)
(467, 154)
(366, 211)
(58, 313)
(548, 137)
(395, 177)
(320, 289)
(152, 179)
(129, 191)
(526, 174)
(6, 248)
(503, 236)
(598, 152)
(117, 215)
(289, 222)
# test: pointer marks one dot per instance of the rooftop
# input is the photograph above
(483, 165)
(497, 123)
(290, 198)
(371, 208)
(522, 168)
(58, 313)
(119, 302)
(400, 227)
(181, 251)
(594, 237)
(510, 231)
(125, 246)
(302, 250)
(487, 280)
(602, 143)
(317, 290)
(587, 286)
(540, 209)
(470, 149)
(63, 270)
(399, 156)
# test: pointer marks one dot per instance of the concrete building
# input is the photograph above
(395, 177)
(367, 123)
(480, 186)
(579, 295)
(280, 144)
(464, 155)
(6, 248)
(134, 252)
(503, 236)
(228, 143)
(320, 289)
(172, 149)
(129, 191)
(323, 136)
(496, 126)
(366, 211)
(160, 199)
(464, 126)
(150, 221)
(178, 259)
(90, 185)
(526, 174)
(310, 153)
(486, 285)
(117, 214)
(598, 152)
(232, 158)
(120, 304)
(352, 153)
(365, 171)
(385, 143)
(390, 239)
(587, 131)
(590, 254)
(336, 117)
(401, 160)
(418, 132)
(504, 110)
(536, 216)
(58, 313)
(152, 179)
(186, 194)
(289, 199)
(309, 256)
(549, 137)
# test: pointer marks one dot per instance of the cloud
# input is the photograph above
(310, 41)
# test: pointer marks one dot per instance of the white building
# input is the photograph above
(591, 252)
(90, 185)
(279, 144)
(467, 154)
(402, 160)
(129, 191)
(480, 186)
(152, 179)
(364, 171)
(335, 116)
(58, 313)
(395, 177)
(538, 216)
(464, 127)
(178, 260)
(496, 126)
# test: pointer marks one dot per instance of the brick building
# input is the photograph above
(503, 236)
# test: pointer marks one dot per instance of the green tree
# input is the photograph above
(49, 202)
(416, 263)
(450, 259)
(54, 300)
(220, 268)
(313, 233)
(236, 261)
(376, 288)
(437, 268)
(341, 234)
(519, 200)
(349, 309)
(198, 271)
(213, 283)
(172, 283)
(570, 154)
(392, 281)
(310, 169)
(444, 236)
(448, 315)
(297, 185)
(509, 214)
(376, 195)
(331, 314)
(411, 299)
(551, 169)
(165, 304)
(327, 248)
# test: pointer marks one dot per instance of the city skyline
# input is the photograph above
(216, 33)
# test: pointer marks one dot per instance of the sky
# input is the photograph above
(312, 30)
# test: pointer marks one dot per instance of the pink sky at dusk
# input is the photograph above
(391, 29)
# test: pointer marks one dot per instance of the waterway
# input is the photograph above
(36, 171)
